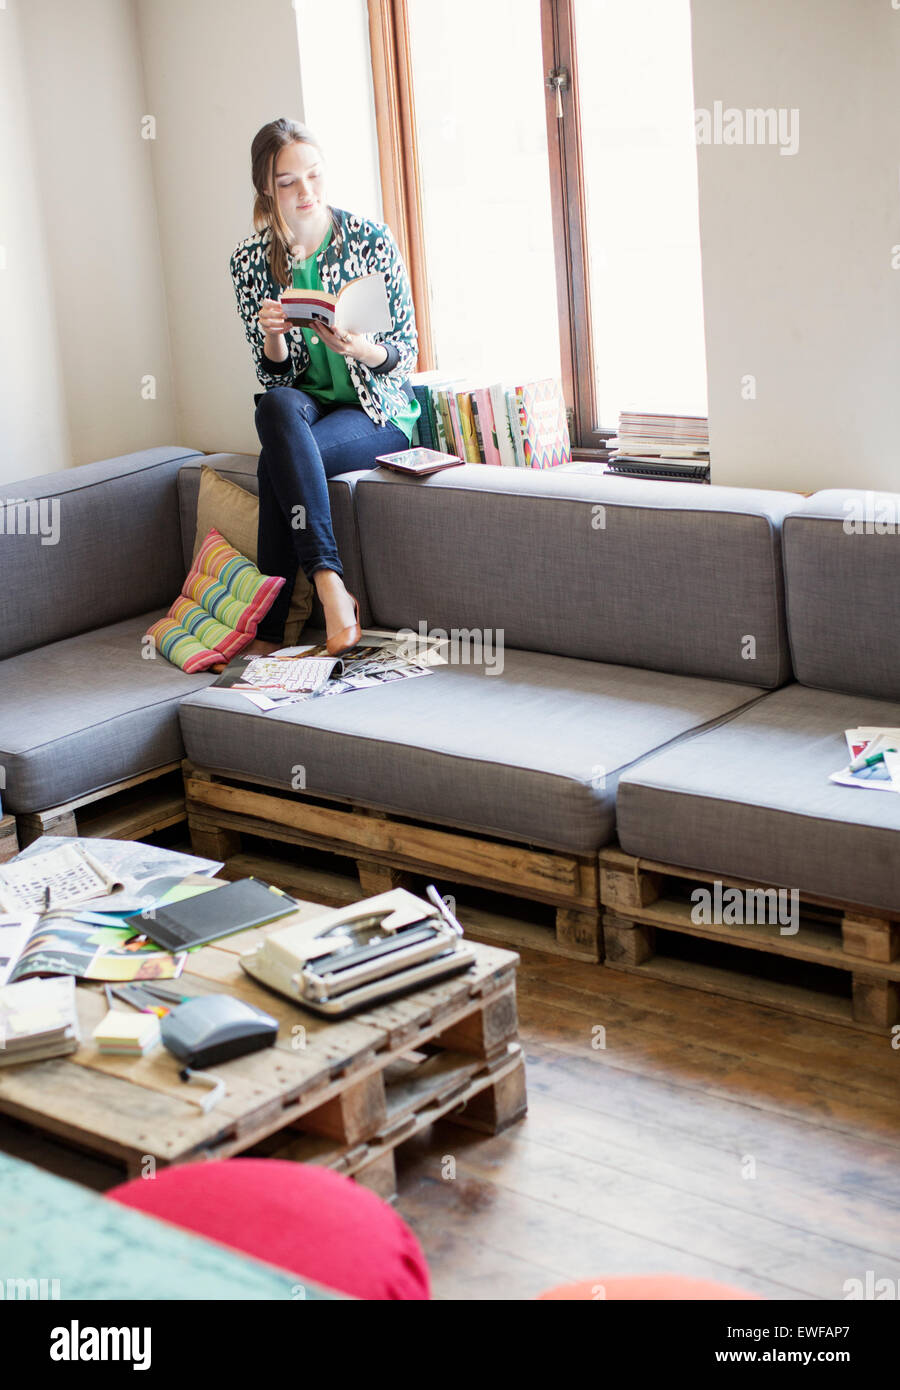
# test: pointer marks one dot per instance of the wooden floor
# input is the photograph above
(707, 1137)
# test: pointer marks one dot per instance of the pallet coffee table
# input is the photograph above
(340, 1093)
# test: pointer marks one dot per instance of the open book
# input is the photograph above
(358, 307)
(61, 877)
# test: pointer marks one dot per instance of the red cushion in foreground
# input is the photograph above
(308, 1220)
(646, 1286)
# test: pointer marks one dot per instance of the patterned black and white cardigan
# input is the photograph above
(358, 247)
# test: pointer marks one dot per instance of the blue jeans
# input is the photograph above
(304, 443)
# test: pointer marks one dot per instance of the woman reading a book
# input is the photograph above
(332, 401)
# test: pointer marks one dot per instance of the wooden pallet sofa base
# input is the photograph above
(642, 898)
(126, 810)
(9, 840)
(384, 846)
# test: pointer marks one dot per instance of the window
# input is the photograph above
(640, 165)
(562, 132)
(485, 183)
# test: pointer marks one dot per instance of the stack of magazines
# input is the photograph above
(37, 1019)
(661, 446)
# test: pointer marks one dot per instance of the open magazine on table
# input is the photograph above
(87, 936)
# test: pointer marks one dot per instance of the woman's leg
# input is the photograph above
(302, 448)
(287, 474)
(348, 441)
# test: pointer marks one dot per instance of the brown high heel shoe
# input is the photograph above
(347, 637)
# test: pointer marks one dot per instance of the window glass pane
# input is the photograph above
(346, 127)
(481, 125)
(640, 162)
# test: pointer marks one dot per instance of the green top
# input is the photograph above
(327, 378)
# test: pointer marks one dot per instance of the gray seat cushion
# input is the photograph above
(531, 754)
(751, 799)
(80, 714)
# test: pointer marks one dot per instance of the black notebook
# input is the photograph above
(237, 907)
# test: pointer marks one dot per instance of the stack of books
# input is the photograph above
(37, 1019)
(661, 446)
(508, 425)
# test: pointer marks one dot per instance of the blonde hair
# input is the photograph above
(267, 142)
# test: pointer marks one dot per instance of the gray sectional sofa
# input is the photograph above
(677, 667)
(752, 798)
(89, 558)
(622, 632)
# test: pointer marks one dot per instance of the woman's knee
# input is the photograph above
(283, 406)
(275, 404)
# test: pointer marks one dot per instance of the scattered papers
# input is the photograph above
(882, 747)
(60, 876)
(144, 872)
(14, 932)
(379, 658)
(90, 939)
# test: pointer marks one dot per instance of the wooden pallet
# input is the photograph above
(221, 809)
(645, 900)
(350, 1090)
(126, 810)
(9, 841)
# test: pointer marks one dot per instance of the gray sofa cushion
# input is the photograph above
(80, 714)
(666, 576)
(531, 754)
(118, 548)
(751, 799)
(241, 469)
(842, 567)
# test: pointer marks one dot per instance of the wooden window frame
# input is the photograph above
(398, 154)
(401, 191)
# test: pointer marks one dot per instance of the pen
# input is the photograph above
(870, 760)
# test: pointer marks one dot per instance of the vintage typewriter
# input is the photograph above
(362, 955)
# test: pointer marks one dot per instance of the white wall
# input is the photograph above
(798, 286)
(83, 315)
(117, 247)
(215, 70)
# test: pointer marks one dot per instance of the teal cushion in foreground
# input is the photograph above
(218, 610)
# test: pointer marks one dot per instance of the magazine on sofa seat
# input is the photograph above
(378, 658)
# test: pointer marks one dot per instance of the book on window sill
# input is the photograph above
(419, 462)
(358, 307)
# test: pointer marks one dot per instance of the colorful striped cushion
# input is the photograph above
(218, 610)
